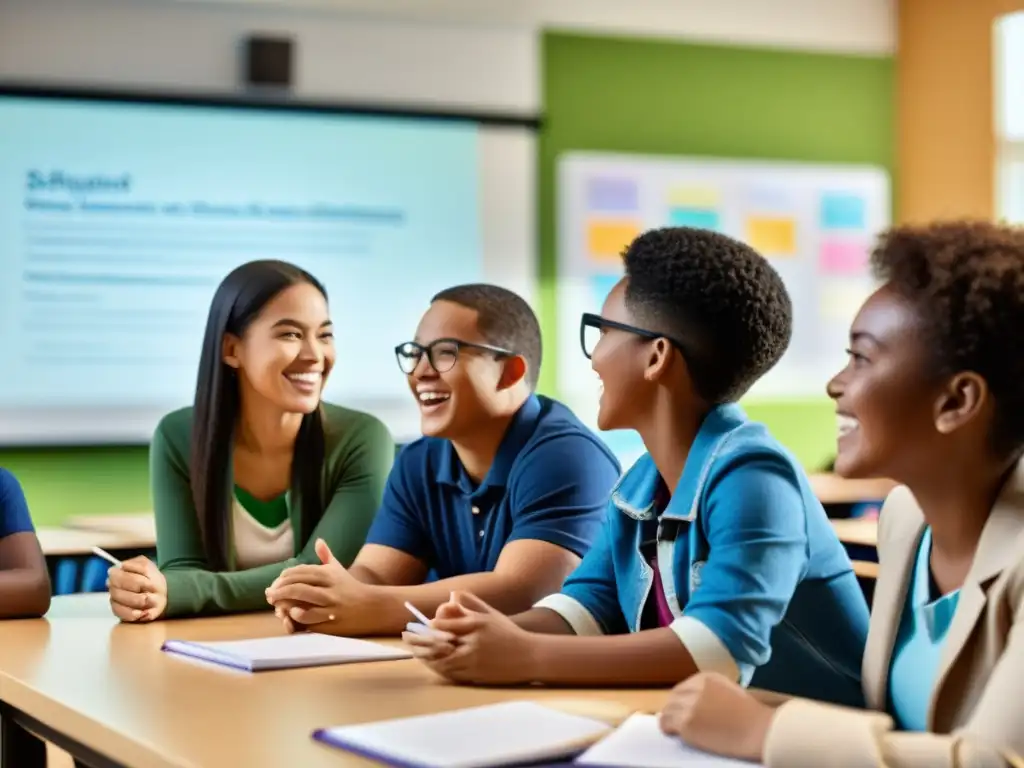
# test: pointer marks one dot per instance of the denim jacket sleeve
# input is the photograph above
(589, 600)
(753, 518)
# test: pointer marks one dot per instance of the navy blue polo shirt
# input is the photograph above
(14, 517)
(550, 481)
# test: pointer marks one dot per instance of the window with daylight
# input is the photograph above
(1009, 118)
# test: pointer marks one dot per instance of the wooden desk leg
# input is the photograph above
(18, 747)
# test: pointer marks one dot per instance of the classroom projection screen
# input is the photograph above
(119, 217)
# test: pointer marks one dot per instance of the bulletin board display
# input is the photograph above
(815, 223)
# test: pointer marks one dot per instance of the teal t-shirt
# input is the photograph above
(922, 633)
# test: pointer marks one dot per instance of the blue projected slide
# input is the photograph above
(118, 220)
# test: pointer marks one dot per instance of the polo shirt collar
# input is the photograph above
(635, 494)
(451, 472)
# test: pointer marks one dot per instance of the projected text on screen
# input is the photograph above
(118, 220)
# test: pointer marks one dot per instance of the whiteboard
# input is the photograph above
(815, 223)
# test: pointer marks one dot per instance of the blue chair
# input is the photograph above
(65, 577)
(94, 575)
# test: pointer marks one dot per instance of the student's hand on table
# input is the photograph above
(475, 644)
(325, 595)
(138, 590)
(435, 645)
(711, 712)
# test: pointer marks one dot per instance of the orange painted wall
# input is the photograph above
(946, 149)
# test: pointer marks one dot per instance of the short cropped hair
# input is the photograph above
(504, 319)
(718, 298)
(965, 279)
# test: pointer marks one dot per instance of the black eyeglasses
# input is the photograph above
(442, 354)
(593, 326)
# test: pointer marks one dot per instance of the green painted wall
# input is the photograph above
(643, 96)
(618, 95)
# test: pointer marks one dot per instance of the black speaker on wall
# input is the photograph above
(268, 61)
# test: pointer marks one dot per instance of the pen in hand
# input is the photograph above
(99, 552)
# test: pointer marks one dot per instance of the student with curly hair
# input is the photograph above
(932, 397)
(715, 554)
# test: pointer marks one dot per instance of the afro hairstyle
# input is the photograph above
(965, 280)
(716, 297)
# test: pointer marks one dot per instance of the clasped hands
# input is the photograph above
(325, 596)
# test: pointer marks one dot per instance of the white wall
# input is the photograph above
(462, 53)
(195, 47)
(855, 26)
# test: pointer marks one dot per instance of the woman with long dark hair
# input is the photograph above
(248, 479)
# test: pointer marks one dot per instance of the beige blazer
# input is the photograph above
(976, 711)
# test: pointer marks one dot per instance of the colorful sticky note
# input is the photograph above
(606, 240)
(841, 301)
(772, 236)
(694, 197)
(612, 194)
(601, 285)
(700, 218)
(842, 210)
(843, 257)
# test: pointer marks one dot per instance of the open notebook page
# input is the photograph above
(509, 733)
(305, 649)
(639, 743)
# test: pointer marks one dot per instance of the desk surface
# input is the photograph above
(109, 687)
(140, 524)
(64, 542)
(859, 531)
(833, 489)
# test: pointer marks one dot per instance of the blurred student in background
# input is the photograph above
(931, 397)
(716, 554)
(502, 496)
(24, 579)
(259, 468)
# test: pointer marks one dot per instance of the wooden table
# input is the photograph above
(105, 693)
(66, 542)
(141, 524)
(833, 489)
(860, 532)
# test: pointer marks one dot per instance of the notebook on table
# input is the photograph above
(510, 733)
(639, 743)
(306, 649)
(573, 733)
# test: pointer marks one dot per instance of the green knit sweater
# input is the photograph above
(359, 452)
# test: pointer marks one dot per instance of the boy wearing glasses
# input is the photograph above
(502, 496)
(716, 556)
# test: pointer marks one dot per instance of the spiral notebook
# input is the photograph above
(305, 649)
(510, 733)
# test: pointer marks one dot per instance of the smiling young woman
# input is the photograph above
(931, 397)
(247, 479)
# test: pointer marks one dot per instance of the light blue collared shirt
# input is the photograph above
(923, 628)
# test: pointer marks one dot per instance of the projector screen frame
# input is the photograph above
(242, 101)
(267, 102)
